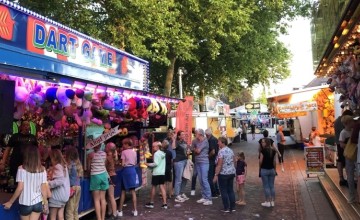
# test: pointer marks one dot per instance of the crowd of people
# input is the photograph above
(56, 190)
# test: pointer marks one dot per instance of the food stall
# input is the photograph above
(74, 90)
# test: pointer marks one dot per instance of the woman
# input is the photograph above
(225, 174)
(99, 182)
(280, 138)
(345, 134)
(267, 171)
(32, 185)
(180, 146)
(129, 178)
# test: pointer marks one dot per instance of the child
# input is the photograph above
(129, 179)
(75, 173)
(241, 169)
(158, 175)
(99, 182)
(59, 185)
(168, 168)
(110, 167)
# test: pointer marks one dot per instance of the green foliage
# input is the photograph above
(225, 46)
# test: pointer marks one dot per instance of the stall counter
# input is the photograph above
(86, 204)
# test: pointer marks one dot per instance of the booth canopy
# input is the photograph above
(34, 46)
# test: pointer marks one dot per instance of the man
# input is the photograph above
(213, 151)
(158, 175)
(17, 143)
(201, 149)
(252, 126)
(338, 127)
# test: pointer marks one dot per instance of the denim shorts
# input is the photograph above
(25, 210)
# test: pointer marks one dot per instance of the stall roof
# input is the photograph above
(297, 91)
(344, 36)
(36, 43)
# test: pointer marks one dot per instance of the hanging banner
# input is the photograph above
(101, 139)
(291, 114)
(31, 41)
(297, 107)
(184, 118)
(210, 104)
(314, 160)
(213, 124)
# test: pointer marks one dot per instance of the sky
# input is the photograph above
(298, 41)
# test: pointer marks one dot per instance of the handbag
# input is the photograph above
(350, 151)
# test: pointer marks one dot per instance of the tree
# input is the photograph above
(217, 41)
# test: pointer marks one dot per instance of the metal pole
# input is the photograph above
(180, 82)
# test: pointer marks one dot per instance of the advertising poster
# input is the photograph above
(184, 119)
(314, 160)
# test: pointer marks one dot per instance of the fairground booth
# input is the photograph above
(74, 91)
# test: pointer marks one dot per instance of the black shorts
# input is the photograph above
(168, 175)
(340, 154)
(158, 180)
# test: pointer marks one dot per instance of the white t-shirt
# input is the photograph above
(31, 193)
(316, 141)
(344, 134)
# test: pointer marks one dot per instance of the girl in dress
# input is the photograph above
(32, 186)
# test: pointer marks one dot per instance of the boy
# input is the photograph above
(158, 175)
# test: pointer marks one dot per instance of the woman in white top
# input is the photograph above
(32, 188)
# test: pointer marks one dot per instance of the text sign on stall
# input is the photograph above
(55, 48)
(297, 107)
(101, 139)
(315, 160)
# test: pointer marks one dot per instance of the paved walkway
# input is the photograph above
(297, 197)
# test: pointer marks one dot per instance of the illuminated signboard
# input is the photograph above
(31, 41)
(297, 107)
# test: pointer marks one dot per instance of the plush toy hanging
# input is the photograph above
(21, 97)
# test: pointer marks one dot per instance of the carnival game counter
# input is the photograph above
(86, 204)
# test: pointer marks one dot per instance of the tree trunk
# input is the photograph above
(169, 76)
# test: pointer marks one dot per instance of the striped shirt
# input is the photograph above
(98, 163)
(31, 193)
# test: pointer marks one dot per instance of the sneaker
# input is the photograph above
(201, 200)
(266, 204)
(120, 213)
(282, 169)
(192, 192)
(179, 199)
(149, 205)
(184, 197)
(164, 206)
(272, 203)
(215, 196)
(225, 210)
(233, 210)
(135, 213)
(208, 202)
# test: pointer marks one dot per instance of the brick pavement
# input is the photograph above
(292, 189)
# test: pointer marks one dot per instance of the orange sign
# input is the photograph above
(184, 117)
(291, 114)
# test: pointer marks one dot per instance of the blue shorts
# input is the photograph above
(129, 179)
(25, 210)
(99, 182)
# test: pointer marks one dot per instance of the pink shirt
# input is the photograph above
(128, 157)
